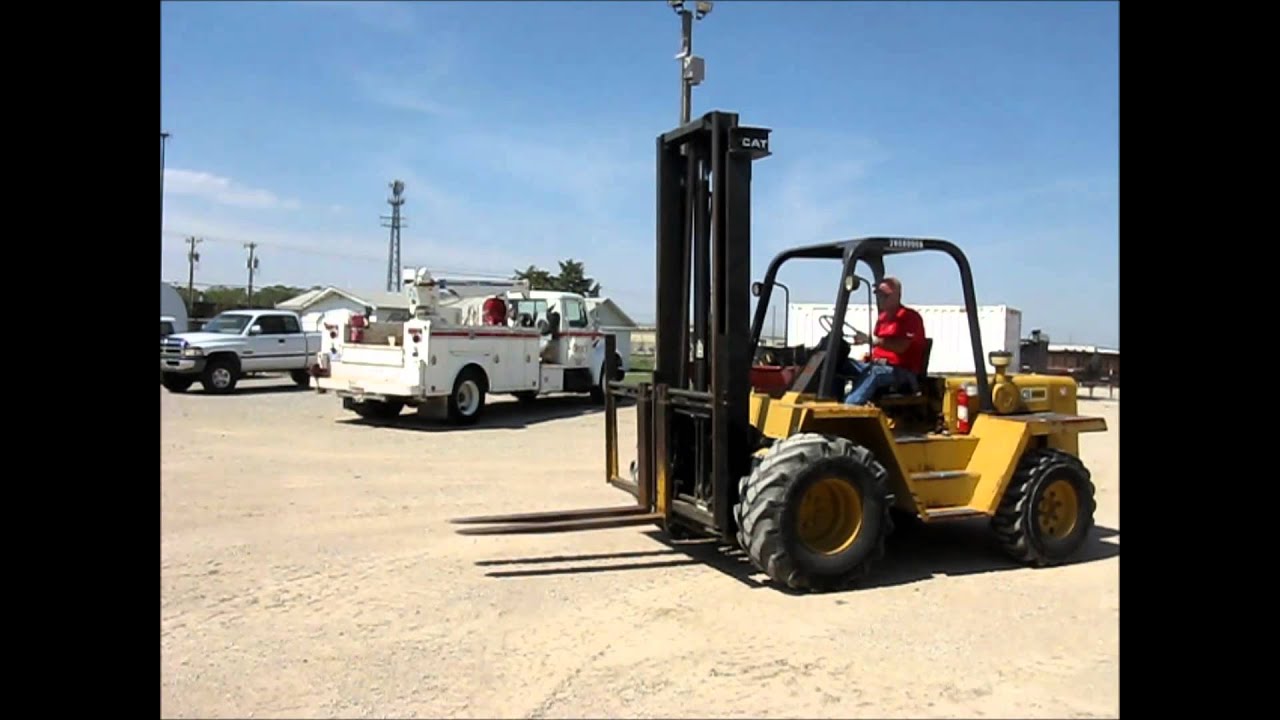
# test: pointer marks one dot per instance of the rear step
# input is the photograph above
(938, 475)
(952, 513)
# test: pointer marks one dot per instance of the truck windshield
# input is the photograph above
(227, 324)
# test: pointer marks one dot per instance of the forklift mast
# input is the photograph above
(693, 432)
(704, 267)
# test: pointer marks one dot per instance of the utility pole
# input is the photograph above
(164, 136)
(193, 257)
(397, 222)
(692, 67)
(253, 265)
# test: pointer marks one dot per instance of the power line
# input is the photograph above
(339, 254)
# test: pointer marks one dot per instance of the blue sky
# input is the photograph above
(524, 133)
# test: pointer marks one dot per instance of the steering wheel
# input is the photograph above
(825, 321)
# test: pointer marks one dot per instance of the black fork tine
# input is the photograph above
(551, 516)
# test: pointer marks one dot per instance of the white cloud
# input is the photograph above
(222, 190)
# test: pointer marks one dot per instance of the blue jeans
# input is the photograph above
(870, 377)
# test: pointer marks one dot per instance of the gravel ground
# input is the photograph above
(309, 570)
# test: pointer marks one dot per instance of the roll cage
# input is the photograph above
(872, 251)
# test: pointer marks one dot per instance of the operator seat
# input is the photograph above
(909, 393)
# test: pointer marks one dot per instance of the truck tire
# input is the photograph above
(175, 383)
(378, 409)
(301, 378)
(466, 402)
(609, 372)
(220, 376)
(814, 513)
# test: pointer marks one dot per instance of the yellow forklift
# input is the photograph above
(806, 485)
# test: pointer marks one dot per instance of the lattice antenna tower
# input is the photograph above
(395, 222)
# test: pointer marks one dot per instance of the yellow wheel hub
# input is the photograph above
(830, 516)
(1059, 509)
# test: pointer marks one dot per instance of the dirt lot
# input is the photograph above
(309, 570)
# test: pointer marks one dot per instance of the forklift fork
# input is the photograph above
(648, 508)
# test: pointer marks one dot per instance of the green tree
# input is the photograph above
(232, 297)
(571, 278)
(537, 278)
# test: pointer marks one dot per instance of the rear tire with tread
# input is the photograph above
(1016, 523)
(378, 409)
(470, 387)
(769, 499)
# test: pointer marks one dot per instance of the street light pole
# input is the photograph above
(163, 137)
(692, 67)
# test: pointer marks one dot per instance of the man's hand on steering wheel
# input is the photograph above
(855, 336)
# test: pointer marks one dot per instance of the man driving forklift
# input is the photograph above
(897, 348)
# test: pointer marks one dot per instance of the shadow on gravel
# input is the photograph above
(915, 553)
(257, 385)
(503, 415)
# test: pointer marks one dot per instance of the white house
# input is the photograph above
(608, 314)
(613, 320)
(338, 304)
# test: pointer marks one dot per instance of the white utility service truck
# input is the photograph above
(465, 339)
(236, 343)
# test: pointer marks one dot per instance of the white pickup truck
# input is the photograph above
(461, 343)
(236, 343)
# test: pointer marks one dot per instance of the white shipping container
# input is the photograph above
(999, 325)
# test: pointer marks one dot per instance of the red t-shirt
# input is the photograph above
(907, 323)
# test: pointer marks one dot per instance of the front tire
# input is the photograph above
(609, 372)
(814, 513)
(1046, 513)
(220, 376)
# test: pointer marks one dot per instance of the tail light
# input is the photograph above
(333, 331)
(416, 333)
(358, 324)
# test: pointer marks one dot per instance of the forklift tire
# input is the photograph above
(1046, 513)
(839, 488)
(466, 402)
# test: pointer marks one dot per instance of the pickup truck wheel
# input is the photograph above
(301, 378)
(466, 403)
(176, 383)
(220, 376)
